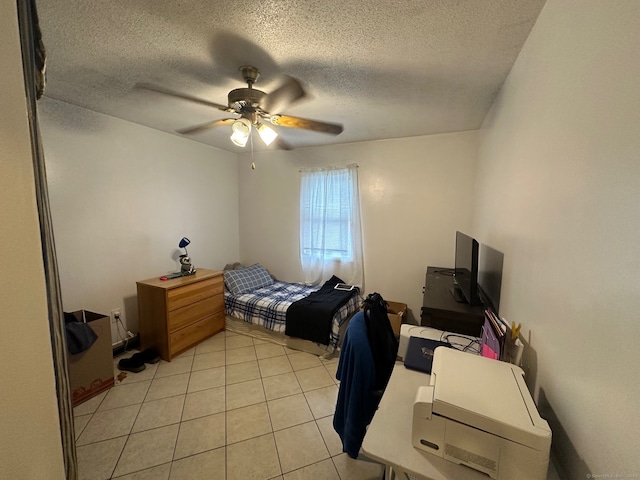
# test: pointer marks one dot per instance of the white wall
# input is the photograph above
(30, 443)
(415, 193)
(559, 194)
(122, 196)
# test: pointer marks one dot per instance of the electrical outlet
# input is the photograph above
(115, 315)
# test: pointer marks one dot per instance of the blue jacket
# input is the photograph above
(357, 401)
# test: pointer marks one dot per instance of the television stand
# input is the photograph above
(457, 294)
(442, 311)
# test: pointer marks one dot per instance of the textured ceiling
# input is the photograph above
(382, 68)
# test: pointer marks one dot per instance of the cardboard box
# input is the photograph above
(397, 313)
(91, 371)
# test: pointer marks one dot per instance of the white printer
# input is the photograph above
(478, 412)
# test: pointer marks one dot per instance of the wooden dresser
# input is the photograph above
(177, 314)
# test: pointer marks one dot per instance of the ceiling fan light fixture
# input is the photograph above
(267, 134)
(241, 129)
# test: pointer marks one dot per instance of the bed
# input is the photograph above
(259, 308)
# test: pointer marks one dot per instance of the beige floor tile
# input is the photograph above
(259, 341)
(330, 436)
(259, 383)
(124, 395)
(204, 466)
(322, 401)
(161, 472)
(302, 360)
(244, 394)
(300, 446)
(109, 424)
(211, 344)
(263, 462)
(289, 411)
(314, 378)
(200, 435)
(241, 354)
(91, 405)
(79, 423)
(147, 449)
(125, 378)
(357, 469)
(97, 461)
(168, 387)
(332, 368)
(208, 360)
(159, 413)
(268, 350)
(188, 353)
(334, 359)
(239, 341)
(203, 403)
(274, 366)
(280, 386)
(174, 367)
(242, 372)
(205, 379)
(324, 470)
(247, 422)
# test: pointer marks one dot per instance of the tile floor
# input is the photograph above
(231, 408)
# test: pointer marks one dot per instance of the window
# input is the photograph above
(330, 232)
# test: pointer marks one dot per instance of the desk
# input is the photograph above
(388, 438)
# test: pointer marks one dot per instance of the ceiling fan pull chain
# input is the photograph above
(253, 165)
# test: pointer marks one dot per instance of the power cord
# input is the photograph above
(472, 345)
(125, 341)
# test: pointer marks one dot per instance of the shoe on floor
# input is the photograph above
(150, 355)
(134, 364)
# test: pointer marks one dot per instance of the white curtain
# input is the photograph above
(330, 229)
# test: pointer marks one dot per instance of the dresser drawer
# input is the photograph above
(194, 292)
(186, 337)
(176, 314)
(204, 308)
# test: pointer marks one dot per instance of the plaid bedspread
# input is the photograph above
(267, 307)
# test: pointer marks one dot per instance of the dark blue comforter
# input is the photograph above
(310, 318)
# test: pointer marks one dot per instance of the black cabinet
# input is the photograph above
(441, 310)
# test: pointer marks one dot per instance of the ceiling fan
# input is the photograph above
(255, 109)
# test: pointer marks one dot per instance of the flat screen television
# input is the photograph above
(466, 269)
(490, 276)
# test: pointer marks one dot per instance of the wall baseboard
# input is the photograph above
(119, 347)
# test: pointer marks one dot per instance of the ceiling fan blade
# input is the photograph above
(286, 94)
(306, 124)
(206, 126)
(155, 88)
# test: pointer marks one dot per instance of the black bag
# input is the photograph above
(79, 335)
(382, 340)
